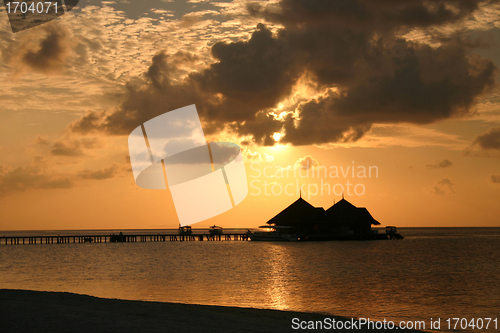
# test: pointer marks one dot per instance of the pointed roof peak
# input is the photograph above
(296, 211)
(301, 200)
(342, 204)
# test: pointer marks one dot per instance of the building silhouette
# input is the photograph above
(341, 221)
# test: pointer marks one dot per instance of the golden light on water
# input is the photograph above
(277, 277)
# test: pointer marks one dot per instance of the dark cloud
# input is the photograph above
(63, 149)
(489, 140)
(141, 103)
(32, 176)
(74, 147)
(105, 173)
(443, 187)
(46, 54)
(259, 71)
(440, 165)
(446, 182)
(365, 14)
(88, 123)
(402, 82)
(495, 179)
(248, 77)
(438, 190)
(347, 50)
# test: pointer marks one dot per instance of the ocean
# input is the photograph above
(432, 273)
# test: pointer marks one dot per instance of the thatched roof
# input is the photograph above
(296, 213)
(342, 205)
(344, 210)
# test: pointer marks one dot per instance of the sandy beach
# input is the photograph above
(35, 311)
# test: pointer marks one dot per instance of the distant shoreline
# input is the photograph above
(29, 311)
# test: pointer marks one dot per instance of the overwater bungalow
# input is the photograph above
(342, 221)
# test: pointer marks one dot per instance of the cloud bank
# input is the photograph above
(490, 140)
(349, 52)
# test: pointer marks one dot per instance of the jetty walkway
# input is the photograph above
(168, 236)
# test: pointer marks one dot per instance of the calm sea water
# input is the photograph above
(432, 273)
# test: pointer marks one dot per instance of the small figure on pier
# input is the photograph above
(117, 238)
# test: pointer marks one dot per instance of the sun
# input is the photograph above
(277, 136)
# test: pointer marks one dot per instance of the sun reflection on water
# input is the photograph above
(278, 274)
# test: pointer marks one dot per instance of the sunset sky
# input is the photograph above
(406, 87)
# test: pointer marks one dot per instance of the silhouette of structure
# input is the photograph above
(342, 221)
(120, 238)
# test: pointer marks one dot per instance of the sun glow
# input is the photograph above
(277, 136)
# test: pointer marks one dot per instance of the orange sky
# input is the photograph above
(72, 89)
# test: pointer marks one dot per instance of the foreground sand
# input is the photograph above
(34, 311)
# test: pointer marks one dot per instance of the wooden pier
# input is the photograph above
(123, 238)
